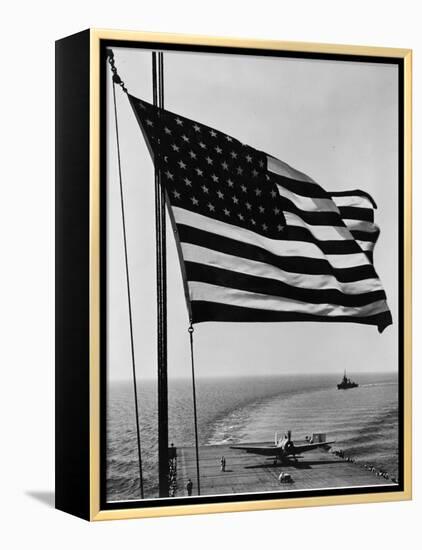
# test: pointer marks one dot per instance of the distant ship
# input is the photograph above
(346, 383)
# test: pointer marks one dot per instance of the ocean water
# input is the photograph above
(363, 421)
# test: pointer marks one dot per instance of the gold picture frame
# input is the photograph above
(88, 503)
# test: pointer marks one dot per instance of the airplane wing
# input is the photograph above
(266, 450)
(309, 446)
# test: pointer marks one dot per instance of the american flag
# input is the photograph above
(259, 240)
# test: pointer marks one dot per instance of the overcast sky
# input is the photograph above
(335, 121)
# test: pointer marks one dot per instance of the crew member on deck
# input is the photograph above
(223, 464)
(189, 486)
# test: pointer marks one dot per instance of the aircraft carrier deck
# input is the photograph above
(248, 473)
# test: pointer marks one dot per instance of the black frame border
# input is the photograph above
(250, 497)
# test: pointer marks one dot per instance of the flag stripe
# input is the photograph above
(365, 236)
(232, 296)
(294, 264)
(297, 233)
(335, 238)
(281, 168)
(353, 198)
(273, 287)
(332, 218)
(320, 232)
(278, 247)
(214, 311)
(358, 225)
(354, 213)
(201, 255)
(328, 247)
(303, 188)
(356, 198)
(366, 246)
(308, 204)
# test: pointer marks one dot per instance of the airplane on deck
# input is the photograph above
(284, 448)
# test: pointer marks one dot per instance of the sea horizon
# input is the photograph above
(339, 374)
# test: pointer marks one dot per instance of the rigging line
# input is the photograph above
(122, 205)
(195, 417)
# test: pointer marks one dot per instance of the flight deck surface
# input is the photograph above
(249, 473)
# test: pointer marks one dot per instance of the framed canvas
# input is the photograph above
(233, 277)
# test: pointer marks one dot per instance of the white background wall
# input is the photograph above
(29, 29)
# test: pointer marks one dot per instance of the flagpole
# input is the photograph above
(160, 217)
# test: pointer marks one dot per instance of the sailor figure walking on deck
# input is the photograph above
(189, 486)
(223, 464)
